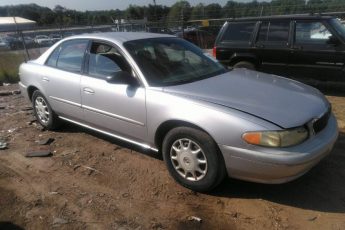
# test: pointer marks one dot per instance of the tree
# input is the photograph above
(229, 10)
(213, 11)
(198, 12)
(181, 10)
(135, 12)
(287, 6)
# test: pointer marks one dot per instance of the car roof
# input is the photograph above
(277, 17)
(121, 37)
(117, 38)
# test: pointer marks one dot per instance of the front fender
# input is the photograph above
(223, 124)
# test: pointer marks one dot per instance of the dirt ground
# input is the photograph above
(95, 182)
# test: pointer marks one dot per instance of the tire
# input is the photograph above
(43, 111)
(199, 166)
(244, 64)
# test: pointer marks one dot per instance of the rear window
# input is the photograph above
(277, 31)
(239, 31)
(71, 55)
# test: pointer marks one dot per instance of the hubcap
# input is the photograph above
(42, 111)
(188, 159)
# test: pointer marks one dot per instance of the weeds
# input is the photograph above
(9, 65)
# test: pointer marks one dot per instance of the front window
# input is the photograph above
(105, 60)
(172, 61)
(311, 33)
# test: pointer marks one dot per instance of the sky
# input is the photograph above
(83, 5)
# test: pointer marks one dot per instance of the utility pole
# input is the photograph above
(19, 33)
(155, 10)
(182, 18)
(262, 9)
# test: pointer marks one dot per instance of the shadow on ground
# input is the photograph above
(9, 226)
(321, 189)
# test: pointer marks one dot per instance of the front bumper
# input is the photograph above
(274, 166)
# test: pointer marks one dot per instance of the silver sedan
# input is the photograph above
(163, 93)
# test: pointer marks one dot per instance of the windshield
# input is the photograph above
(172, 61)
(339, 27)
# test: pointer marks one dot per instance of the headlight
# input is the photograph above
(284, 138)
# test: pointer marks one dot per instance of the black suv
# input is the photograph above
(301, 47)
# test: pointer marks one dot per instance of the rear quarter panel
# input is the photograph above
(30, 74)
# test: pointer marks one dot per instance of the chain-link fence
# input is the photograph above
(17, 46)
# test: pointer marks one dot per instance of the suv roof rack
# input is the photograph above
(299, 16)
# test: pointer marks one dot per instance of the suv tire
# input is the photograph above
(244, 64)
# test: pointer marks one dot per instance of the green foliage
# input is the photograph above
(198, 12)
(9, 65)
(135, 12)
(181, 10)
(213, 11)
(61, 16)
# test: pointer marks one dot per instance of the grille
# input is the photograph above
(321, 123)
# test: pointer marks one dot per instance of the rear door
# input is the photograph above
(313, 55)
(61, 78)
(272, 45)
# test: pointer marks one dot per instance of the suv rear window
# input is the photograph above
(239, 31)
(274, 31)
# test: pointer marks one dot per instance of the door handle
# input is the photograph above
(298, 48)
(88, 91)
(45, 79)
(259, 46)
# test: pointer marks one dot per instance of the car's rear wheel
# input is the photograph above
(244, 64)
(43, 111)
(193, 159)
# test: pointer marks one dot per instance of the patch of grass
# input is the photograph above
(9, 65)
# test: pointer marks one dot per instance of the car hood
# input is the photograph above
(284, 102)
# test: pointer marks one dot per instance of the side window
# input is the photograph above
(311, 33)
(105, 61)
(52, 60)
(274, 32)
(71, 55)
(239, 31)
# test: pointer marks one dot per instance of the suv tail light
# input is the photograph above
(214, 52)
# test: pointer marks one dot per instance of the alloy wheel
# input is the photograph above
(188, 159)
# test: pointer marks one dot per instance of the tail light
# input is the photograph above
(214, 52)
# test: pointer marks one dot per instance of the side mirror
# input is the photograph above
(122, 77)
(332, 40)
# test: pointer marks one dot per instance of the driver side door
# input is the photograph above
(313, 55)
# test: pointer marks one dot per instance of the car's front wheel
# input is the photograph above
(43, 112)
(193, 159)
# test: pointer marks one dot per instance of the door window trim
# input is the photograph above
(85, 71)
(323, 22)
(286, 43)
(60, 47)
